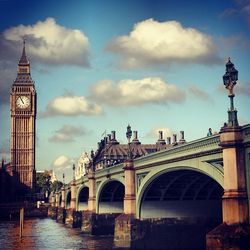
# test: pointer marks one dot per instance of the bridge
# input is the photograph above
(187, 172)
(186, 180)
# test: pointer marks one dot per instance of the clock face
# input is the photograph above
(23, 102)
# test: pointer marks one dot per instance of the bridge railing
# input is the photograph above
(209, 144)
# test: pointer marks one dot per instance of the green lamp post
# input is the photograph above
(128, 135)
(230, 79)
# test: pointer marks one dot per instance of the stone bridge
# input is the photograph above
(184, 176)
(205, 178)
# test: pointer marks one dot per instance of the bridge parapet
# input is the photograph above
(246, 134)
(203, 146)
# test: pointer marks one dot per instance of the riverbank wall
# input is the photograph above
(12, 211)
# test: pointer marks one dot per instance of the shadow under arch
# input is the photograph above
(177, 192)
(60, 199)
(82, 198)
(110, 196)
(68, 199)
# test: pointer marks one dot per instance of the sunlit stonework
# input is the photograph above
(82, 165)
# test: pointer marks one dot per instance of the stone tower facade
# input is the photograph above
(23, 124)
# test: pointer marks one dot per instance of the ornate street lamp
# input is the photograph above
(230, 79)
(128, 135)
(73, 171)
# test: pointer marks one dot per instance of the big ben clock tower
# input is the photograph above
(23, 124)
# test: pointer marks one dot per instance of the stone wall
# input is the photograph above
(13, 212)
(98, 224)
(167, 233)
(61, 215)
(73, 218)
(52, 212)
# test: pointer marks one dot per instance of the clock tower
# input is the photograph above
(23, 124)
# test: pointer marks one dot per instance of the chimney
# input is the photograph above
(160, 135)
(135, 139)
(160, 144)
(174, 139)
(169, 140)
(113, 135)
(135, 135)
(105, 140)
(113, 138)
(182, 140)
(109, 137)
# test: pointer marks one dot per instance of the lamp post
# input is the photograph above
(73, 171)
(230, 79)
(128, 135)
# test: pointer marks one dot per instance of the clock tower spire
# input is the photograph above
(23, 124)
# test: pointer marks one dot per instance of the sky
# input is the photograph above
(101, 65)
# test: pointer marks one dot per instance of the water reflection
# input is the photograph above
(47, 234)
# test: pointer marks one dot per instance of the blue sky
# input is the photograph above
(99, 65)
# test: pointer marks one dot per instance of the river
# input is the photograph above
(48, 234)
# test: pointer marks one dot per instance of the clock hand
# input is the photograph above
(21, 100)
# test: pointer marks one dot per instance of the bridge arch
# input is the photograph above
(60, 199)
(110, 195)
(67, 199)
(82, 197)
(152, 201)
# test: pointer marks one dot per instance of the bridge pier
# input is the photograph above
(234, 232)
(92, 192)
(57, 199)
(73, 218)
(126, 225)
(61, 215)
(98, 224)
(52, 212)
(63, 197)
(53, 200)
(73, 195)
(61, 211)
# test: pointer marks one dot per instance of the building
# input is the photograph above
(110, 152)
(23, 124)
(82, 165)
(7, 183)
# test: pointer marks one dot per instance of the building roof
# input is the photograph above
(23, 74)
(111, 152)
(23, 60)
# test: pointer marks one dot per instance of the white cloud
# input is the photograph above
(136, 92)
(62, 162)
(241, 88)
(71, 106)
(199, 93)
(49, 42)
(152, 42)
(67, 133)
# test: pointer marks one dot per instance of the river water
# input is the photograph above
(48, 234)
